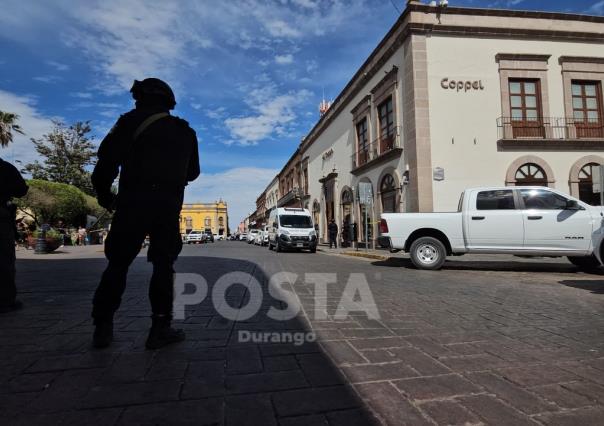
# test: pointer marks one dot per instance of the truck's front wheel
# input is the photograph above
(586, 263)
(428, 253)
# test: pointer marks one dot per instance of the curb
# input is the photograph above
(365, 255)
(359, 254)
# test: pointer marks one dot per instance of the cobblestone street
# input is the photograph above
(487, 340)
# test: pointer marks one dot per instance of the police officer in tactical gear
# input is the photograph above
(155, 155)
(11, 185)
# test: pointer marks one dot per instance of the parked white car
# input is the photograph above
(242, 237)
(195, 237)
(258, 239)
(265, 236)
(524, 221)
(290, 228)
(251, 236)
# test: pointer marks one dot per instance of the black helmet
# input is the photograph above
(153, 89)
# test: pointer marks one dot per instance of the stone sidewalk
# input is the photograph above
(492, 342)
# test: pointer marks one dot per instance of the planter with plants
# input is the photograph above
(54, 240)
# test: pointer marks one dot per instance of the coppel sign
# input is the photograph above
(460, 85)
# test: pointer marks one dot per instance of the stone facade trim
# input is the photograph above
(510, 178)
(573, 179)
(523, 66)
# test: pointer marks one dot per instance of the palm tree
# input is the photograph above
(8, 125)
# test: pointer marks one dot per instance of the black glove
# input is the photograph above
(107, 201)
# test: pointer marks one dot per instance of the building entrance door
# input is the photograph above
(328, 188)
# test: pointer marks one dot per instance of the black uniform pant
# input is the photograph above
(128, 230)
(333, 239)
(8, 289)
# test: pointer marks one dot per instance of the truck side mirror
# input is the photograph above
(572, 205)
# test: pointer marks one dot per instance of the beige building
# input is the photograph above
(207, 217)
(272, 195)
(453, 98)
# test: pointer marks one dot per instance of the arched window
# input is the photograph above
(347, 201)
(347, 197)
(221, 221)
(586, 185)
(530, 174)
(189, 222)
(208, 222)
(388, 192)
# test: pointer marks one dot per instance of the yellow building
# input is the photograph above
(207, 217)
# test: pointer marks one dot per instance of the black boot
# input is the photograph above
(162, 334)
(103, 333)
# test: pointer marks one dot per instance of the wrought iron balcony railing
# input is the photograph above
(560, 128)
(377, 148)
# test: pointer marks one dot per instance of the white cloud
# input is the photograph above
(278, 28)
(135, 39)
(48, 78)
(284, 59)
(81, 95)
(239, 187)
(33, 123)
(58, 66)
(597, 8)
(311, 66)
(272, 114)
(309, 4)
(216, 114)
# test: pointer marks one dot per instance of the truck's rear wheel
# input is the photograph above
(428, 253)
(586, 263)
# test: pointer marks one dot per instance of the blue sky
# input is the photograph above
(248, 74)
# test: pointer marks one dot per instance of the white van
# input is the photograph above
(290, 228)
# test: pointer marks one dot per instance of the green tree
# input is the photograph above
(48, 202)
(8, 125)
(66, 152)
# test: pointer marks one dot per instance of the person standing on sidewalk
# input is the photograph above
(12, 186)
(156, 156)
(332, 228)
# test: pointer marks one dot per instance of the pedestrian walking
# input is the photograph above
(332, 228)
(82, 236)
(155, 155)
(12, 186)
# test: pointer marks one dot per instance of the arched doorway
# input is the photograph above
(388, 194)
(531, 174)
(366, 218)
(586, 185)
(581, 181)
(347, 200)
(316, 214)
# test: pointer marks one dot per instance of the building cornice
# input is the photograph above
(505, 13)
(580, 60)
(413, 21)
(522, 57)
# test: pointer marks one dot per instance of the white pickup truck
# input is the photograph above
(523, 221)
